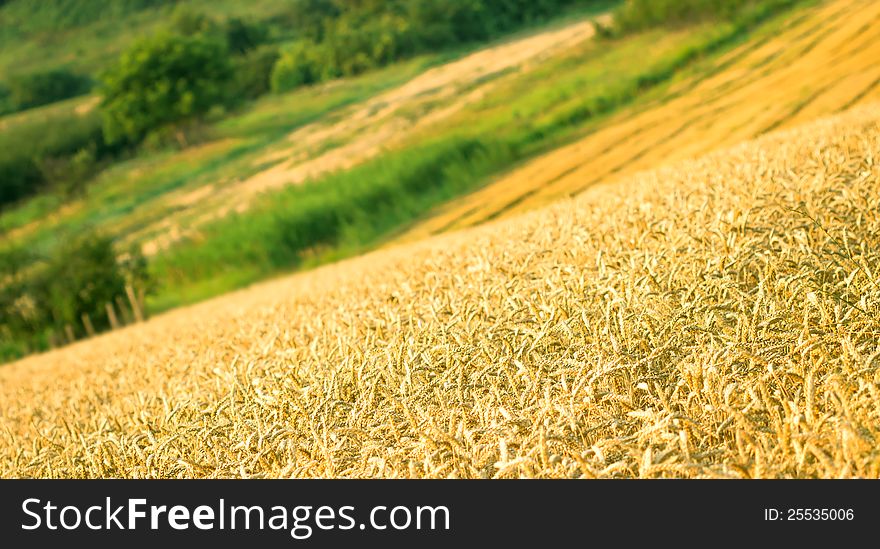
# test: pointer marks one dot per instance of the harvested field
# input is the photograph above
(716, 318)
(824, 61)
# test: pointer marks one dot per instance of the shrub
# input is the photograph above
(309, 17)
(69, 174)
(19, 177)
(23, 312)
(343, 39)
(357, 44)
(443, 22)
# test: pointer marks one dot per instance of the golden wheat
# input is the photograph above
(718, 318)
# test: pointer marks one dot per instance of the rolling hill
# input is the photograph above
(823, 61)
(718, 317)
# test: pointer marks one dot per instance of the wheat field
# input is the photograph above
(715, 318)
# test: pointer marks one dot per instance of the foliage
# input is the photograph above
(634, 15)
(69, 174)
(244, 35)
(42, 88)
(79, 278)
(346, 38)
(28, 149)
(299, 65)
(253, 72)
(163, 81)
(309, 17)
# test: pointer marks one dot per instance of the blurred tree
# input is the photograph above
(80, 278)
(163, 81)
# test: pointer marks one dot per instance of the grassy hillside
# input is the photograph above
(715, 318)
(814, 61)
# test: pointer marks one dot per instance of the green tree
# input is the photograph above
(162, 82)
(39, 295)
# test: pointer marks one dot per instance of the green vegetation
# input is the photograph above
(159, 85)
(347, 38)
(172, 79)
(31, 152)
(348, 209)
(123, 197)
(637, 15)
(42, 299)
(26, 16)
(41, 88)
(88, 36)
(161, 82)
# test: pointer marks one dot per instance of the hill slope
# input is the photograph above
(716, 318)
(824, 61)
(366, 129)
